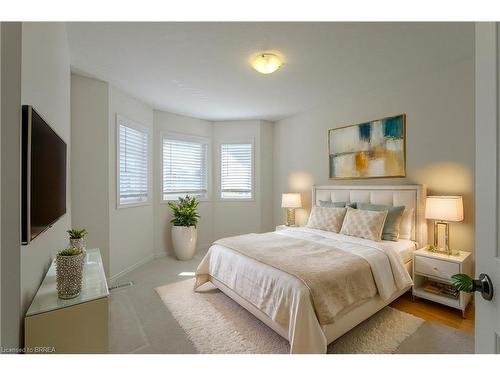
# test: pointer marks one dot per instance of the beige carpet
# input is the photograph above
(217, 324)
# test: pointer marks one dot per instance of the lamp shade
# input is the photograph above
(444, 208)
(291, 200)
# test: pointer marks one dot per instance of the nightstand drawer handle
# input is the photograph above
(435, 268)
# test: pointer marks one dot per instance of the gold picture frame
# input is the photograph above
(370, 149)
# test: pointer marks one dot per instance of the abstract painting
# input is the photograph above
(368, 150)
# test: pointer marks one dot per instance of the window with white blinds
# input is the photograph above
(185, 167)
(236, 170)
(133, 155)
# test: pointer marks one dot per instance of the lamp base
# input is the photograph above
(442, 245)
(290, 217)
(436, 250)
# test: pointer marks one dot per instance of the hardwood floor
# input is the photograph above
(435, 312)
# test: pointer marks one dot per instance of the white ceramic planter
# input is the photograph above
(184, 241)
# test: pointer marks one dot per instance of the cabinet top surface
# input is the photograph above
(450, 258)
(94, 286)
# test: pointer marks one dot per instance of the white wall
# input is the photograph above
(440, 140)
(267, 170)
(0, 181)
(131, 228)
(124, 235)
(45, 84)
(168, 122)
(89, 156)
(10, 254)
(232, 217)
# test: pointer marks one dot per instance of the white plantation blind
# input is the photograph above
(185, 166)
(236, 170)
(133, 164)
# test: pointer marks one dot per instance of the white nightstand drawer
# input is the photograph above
(436, 267)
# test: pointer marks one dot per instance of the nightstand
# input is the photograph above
(432, 274)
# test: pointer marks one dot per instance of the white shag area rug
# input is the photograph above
(217, 324)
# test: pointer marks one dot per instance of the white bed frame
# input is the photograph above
(411, 196)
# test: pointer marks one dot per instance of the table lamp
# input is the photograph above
(290, 201)
(444, 209)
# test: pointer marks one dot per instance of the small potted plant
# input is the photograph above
(467, 284)
(77, 238)
(184, 234)
(69, 269)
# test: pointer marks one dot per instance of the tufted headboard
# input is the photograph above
(411, 196)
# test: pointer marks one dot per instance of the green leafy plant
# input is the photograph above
(463, 282)
(185, 212)
(76, 234)
(69, 252)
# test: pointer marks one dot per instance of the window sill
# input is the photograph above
(236, 199)
(130, 205)
(201, 200)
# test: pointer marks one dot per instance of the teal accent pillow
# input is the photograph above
(329, 204)
(392, 222)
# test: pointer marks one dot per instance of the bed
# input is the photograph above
(289, 302)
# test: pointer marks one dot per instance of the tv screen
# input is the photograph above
(43, 175)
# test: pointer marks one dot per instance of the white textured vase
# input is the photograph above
(79, 243)
(184, 240)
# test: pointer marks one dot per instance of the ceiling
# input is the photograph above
(202, 69)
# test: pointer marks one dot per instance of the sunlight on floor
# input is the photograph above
(187, 274)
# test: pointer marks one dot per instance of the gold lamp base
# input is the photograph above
(442, 239)
(290, 217)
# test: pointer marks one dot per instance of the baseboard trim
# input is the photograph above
(149, 258)
(161, 253)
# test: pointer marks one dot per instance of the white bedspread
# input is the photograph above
(283, 297)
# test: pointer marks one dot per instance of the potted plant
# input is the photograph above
(467, 284)
(77, 238)
(69, 269)
(184, 234)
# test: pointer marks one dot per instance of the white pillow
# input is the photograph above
(364, 223)
(326, 218)
(406, 226)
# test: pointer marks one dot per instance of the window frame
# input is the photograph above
(219, 169)
(186, 138)
(123, 120)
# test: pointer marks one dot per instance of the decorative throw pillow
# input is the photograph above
(392, 222)
(336, 204)
(364, 224)
(324, 218)
(329, 204)
(406, 227)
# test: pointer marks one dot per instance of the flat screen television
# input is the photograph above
(43, 175)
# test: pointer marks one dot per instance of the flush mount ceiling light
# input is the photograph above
(266, 63)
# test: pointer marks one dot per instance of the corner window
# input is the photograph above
(133, 163)
(184, 167)
(236, 171)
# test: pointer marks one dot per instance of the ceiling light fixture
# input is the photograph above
(266, 63)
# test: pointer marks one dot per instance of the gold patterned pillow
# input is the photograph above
(364, 223)
(326, 218)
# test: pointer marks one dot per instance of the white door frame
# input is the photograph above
(487, 184)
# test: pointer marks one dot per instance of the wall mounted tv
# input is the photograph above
(43, 175)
